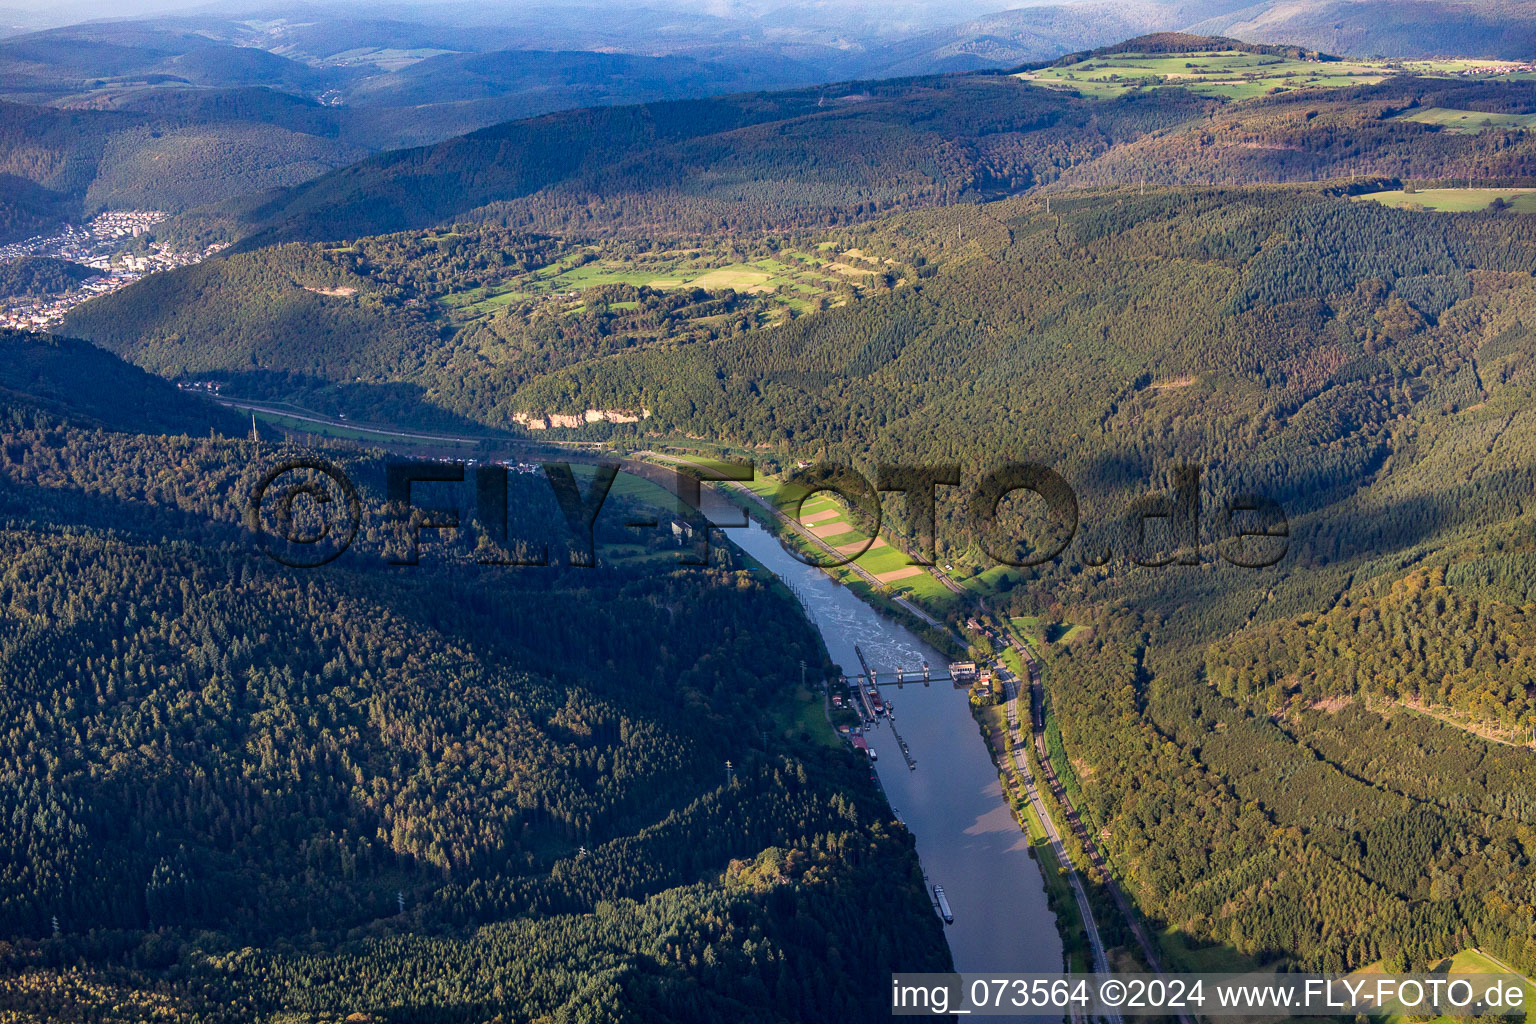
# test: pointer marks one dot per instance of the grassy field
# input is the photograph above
(1183, 955)
(795, 280)
(1455, 200)
(805, 715)
(990, 580)
(1033, 631)
(1231, 74)
(1066, 633)
(1468, 122)
(1234, 75)
(826, 517)
(828, 520)
(1468, 961)
(1026, 628)
(387, 58)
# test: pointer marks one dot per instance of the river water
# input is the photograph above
(966, 837)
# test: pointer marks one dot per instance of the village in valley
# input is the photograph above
(115, 244)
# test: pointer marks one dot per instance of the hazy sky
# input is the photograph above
(938, 11)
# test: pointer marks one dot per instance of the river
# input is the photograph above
(967, 840)
(953, 804)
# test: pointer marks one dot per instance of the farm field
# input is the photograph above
(1468, 121)
(795, 281)
(387, 58)
(1455, 200)
(826, 518)
(1234, 74)
(1466, 962)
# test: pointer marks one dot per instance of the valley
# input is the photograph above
(1144, 305)
(113, 251)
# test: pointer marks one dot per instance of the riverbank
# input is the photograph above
(952, 800)
(852, 576)
(1069, 920)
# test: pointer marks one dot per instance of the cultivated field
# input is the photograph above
(1456, 200)
(1468, 121)
(1233, 74)
(796, 280)
(827, 519)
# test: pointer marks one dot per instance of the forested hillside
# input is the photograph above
(445, 326)
(759, 175)
(1490, 28)
(69, 378)
(444, 792)
(1241, 737)
(176, 113)
(1325, 761)
(1366, 368)
(749, 164)
(175, 150)
(41, 275)
(742, 163)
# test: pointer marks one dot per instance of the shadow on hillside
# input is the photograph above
(389, 405)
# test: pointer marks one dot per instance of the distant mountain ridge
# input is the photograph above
(1390, 28)
(125, 115)
(209, 110)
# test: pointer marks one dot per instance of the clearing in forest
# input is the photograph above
(1456, 200)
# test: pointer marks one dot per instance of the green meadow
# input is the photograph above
(828, 519)
(1235, 75)
(1468, 961)
(1468, 121)
(1455, 200)
(792, 279)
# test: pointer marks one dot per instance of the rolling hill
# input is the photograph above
(177, 113)
(744, 162)
(840, 153)
(68, 378)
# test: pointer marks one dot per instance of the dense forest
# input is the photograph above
(748, 163)
(448, 792)
(69, 378)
